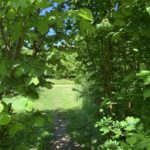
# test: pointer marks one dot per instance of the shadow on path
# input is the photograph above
(70, 131)
(62, 139)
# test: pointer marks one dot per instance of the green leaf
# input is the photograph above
(1, 107)
(129, 77)
(105, 25)
(147, 80)
(139, 136)
(17, 31)
(79, 38)
(29, 106)
(3, 69)
(146, 93)
(19, 3)
(4, 118)
(143, 73)
(45, 134)
(86, 14)
(39, 121)
(18, 103)
(131, 140)
(42, 26)
(135, 50)
(86, 28)
(132, 120)
(148, 10)
(16, 127)
(34, 81)
(143, 144)
(42, 3)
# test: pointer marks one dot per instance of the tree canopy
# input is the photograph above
(104, 45)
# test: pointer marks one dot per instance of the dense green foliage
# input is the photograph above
(104, 43)
(114, 54)
(26, 61)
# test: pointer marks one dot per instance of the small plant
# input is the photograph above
(125, 134)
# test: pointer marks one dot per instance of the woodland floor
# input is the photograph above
(63, 101)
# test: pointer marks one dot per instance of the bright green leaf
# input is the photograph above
(143, 73)
(29, 106)
(19, 105)
(4, 118)
(34, 81)
(105, 25)
(86, 14)
(1, 107)
(147, 80)
(148, 10)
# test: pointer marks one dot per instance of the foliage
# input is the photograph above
(104, 42)
(114, 53)
(25, 65)
(126, 134)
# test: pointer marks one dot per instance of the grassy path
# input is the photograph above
(59, 101)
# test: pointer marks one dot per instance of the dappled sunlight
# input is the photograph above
(63, 104)
(74, 75)
(62, 139)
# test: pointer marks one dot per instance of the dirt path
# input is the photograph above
(61, 139)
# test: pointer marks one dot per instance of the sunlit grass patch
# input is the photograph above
(59, 97)
(62, 81)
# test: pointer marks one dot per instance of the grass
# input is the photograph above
(61, 96)
(62, 81)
